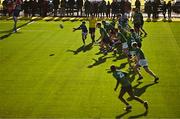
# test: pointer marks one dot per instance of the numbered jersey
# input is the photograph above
(121, 77)
(120, 74)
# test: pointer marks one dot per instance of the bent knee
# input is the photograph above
(120, 97)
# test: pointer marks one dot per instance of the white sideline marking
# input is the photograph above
(18, 29)
(30, 22)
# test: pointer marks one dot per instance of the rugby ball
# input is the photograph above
(61, 26)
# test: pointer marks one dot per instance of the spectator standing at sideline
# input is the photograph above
(138, 4)
(16, 10)
(148, 8)
(79, 7)
(5, 9)
(169, 9)
(87, 8)
(63, 6)
(164, 9)
(56, 6)
(108, 9)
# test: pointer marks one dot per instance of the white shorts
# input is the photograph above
(132, 53)
(84, 33)
(124, 45)
(142, 62)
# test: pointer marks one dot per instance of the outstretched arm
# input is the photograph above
(79, 28)
(117, 84)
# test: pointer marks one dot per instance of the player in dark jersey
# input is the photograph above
(15, 13)
(84, 31)
(136, 37)
(137, 20)
(121, 78)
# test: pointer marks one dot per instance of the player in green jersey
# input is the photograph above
(105, 40)
(136, 37)
(142, 62)
(122, 79)
(108, 27)
(121, 36)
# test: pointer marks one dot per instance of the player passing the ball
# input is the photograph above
(84, 31)
(122, 79)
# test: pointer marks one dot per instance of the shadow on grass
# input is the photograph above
(98, 53)
(144, 36)
(10, 32)
(122, 65)
(132, 117)
(123, 114)
(139, 115)
(81, 49)
(139, 91)
(98, 61)
(119, 57)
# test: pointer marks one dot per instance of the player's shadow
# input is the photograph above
(98, 53)
(81, 49)
(10, 32)
(98, 61)
(123, 114)
(144, 114)
(7, 31)
(6, 35)
(88, 47)
(139, 91)
(119, 57)
(139, 115)
(122, 65)
(144, 36)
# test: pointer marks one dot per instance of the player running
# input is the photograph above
(126, 87)
(141, 61)
(92, 27)
(84, 31)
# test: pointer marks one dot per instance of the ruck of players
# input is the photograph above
(121, 38)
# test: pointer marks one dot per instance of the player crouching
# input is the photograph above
(105, 40)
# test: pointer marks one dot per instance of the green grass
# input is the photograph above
(35, 85)
(7, 26)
